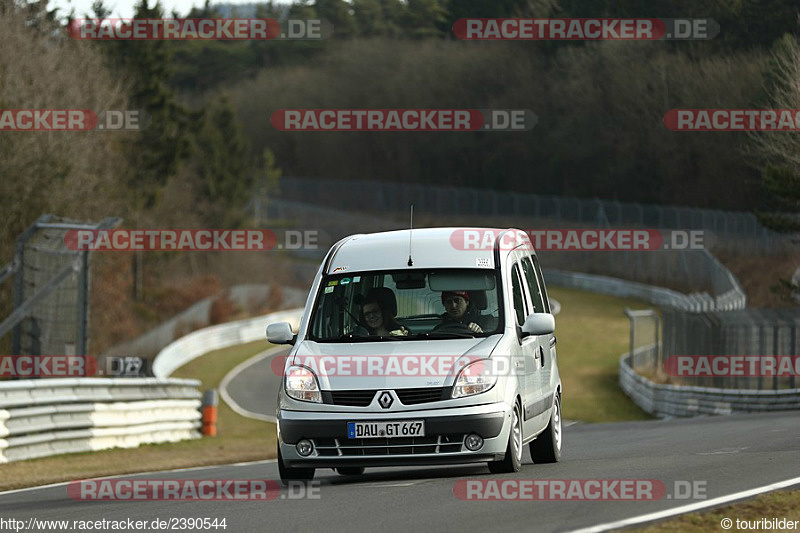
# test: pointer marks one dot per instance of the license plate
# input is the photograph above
(384, 430)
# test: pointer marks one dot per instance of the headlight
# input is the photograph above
(474, 378)
(301, 384)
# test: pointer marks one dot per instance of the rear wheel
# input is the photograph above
(350, 470)
(293, 474)
(547, 446)
(512, 461)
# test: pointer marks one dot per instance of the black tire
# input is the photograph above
(512, 461)
(547, 446)
(350, 470)
(293, 474)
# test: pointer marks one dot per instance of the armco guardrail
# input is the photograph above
(46, 417)
(676, 400)
(217, 337)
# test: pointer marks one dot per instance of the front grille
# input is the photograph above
(362, 398)
(422, 395)
(400, 446)
(353, 398)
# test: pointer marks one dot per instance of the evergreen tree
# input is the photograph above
(156, 152)
(781, 151)
(338, 13)
(223, 165)
(425, 18)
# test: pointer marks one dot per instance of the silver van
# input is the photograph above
(416, 349)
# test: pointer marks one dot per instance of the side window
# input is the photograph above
(541, 283)
(533, 286)
(519, 297)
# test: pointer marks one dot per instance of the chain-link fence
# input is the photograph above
(746, 334)
(344, 208)
(51, 290)
(734, 231)
(694, 272)
(749, 349)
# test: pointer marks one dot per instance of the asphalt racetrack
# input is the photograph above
(716, 456)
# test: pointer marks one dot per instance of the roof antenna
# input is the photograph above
(410, 261)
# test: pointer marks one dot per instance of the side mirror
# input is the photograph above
(539, 324)
(280, 333)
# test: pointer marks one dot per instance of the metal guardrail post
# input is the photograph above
(632, 319)
(659, 348)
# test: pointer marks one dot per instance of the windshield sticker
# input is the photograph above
(345, 281)
(328, 289)
(332, 283)
(356, 279)
(482, 262)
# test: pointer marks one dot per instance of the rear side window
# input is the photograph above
(542, 286)
(519, 299)
(534, 288)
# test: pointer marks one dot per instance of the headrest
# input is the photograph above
(478, 299)
(385, 297)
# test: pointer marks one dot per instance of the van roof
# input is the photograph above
(430, 248)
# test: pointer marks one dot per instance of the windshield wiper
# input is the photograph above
(443, 335)
(349, 337)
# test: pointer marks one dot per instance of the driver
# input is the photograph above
(458, 310)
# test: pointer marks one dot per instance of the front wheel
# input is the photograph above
(547, 446)
(288, 473)
(512, 461)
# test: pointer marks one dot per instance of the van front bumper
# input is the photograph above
(443, 443)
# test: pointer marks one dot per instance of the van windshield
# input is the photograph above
(407, 305)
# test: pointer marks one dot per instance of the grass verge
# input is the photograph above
(779, 504)
(240, 439)
(592, 333)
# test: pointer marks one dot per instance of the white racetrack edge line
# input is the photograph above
(650, 517)
(223, 386)
(132, 474)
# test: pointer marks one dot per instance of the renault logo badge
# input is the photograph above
(385, 400)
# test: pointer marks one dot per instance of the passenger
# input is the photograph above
(377, 314)
(458, 311)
